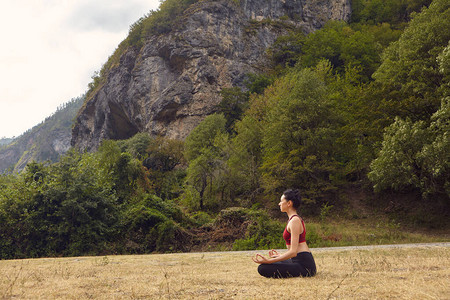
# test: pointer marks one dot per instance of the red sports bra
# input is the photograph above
(287, 234)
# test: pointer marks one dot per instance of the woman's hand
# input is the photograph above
(259, 259)
(273, 253)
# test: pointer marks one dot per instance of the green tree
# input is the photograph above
(203, 136)
(381, 11)
(137, 145)
(203, 155)
(87, 208)
(125, 173)
(435, 156)
(286, 50)
(245, 156)
(165, 162)
(234, 102)
(68, 208)
(444, 68)
(256, 83)
(415, 156)
(344, 47)
(396, 165)
(409, 79)
(299, 136)
(324, 44)
(25, 215)
(200, 173)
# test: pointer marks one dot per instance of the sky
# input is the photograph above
(51, 48)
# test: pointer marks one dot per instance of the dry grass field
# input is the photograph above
(421, 272)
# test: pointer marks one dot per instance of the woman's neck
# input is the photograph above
(291, 212)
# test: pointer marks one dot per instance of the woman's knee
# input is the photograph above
(269, 271)
(263, 270)
(277, 271)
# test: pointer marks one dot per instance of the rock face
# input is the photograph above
(174, 81)
(46, 141)
(40, 144)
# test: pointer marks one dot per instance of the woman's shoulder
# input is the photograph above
(295, 219)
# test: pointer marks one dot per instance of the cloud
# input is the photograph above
(110, 16)
(51, 48)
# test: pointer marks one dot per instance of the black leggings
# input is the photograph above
(301, 265)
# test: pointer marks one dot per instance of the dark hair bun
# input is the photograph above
(294, 196)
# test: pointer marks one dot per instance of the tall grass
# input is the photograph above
(325, 232)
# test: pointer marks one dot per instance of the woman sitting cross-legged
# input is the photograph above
(298, 260)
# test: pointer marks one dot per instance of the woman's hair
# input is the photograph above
(294, 196)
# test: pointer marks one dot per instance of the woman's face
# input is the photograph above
(283, 204)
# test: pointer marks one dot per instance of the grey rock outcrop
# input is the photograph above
(173, 82)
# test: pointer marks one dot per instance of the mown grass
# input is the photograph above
(379, 273)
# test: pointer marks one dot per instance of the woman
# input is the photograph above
(298, 260)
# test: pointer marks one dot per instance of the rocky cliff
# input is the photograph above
(46, 141)
(171, 83)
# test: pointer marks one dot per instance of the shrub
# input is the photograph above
(262, 232)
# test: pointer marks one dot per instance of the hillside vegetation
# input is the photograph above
(359, 108)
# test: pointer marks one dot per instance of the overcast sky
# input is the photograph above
(50, 49)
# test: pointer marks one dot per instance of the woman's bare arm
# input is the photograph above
(295, 228)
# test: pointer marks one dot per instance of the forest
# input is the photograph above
(363, 105)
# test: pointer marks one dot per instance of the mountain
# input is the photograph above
(44, 142)
(5, 141)
(168, 81)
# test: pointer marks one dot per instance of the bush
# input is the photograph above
(151, 225)
(201, 218)
(313, 238)
(261, 233)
